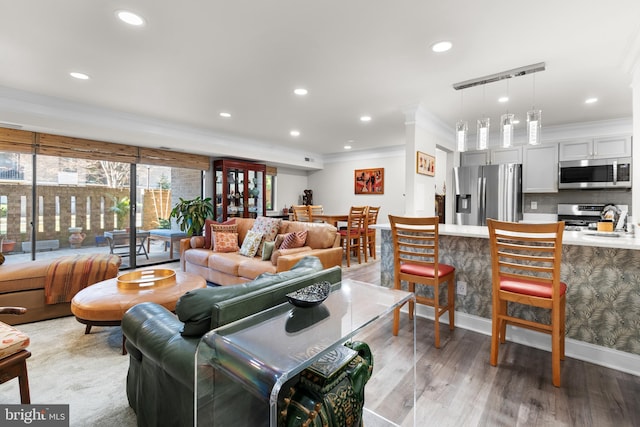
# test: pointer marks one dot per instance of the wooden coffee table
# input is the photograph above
(104, 303)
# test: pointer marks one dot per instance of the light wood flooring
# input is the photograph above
(456, 386)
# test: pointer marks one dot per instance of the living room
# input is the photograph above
(352, 60)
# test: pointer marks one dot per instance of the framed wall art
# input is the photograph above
(425, 164)
(369, 181)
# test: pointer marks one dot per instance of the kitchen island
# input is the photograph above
(603, 295)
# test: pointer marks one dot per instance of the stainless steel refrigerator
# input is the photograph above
(489, 191)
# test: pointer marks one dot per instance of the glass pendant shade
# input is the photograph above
(483, 133)
(461, 135)
(534, 125)
(506, 129)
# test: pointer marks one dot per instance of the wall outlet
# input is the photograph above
(534, 205)
(461, 288)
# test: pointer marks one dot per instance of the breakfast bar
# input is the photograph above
(602, 274)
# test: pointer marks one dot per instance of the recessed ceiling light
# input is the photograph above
(590, 100)
(79, 76)
(503, 99)
(294, 133)
(347, 147)
(365, 119)
(225, 115)
(442, 46)
(130, 18)
(515, 121)
(301, 91)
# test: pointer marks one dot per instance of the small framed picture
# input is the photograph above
(369, 181)
(425, 164)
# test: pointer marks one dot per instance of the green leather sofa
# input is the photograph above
(162, 346)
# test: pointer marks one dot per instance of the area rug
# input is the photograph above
(87, 372)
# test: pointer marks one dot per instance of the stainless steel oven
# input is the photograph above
(585, 216)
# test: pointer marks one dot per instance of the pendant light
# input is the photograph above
(483, 129)
(534, 120)
(506, 129)
(461, 129)
(506, 125)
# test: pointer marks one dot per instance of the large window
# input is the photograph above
(85, 192)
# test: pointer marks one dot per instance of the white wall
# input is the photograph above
(333, 187)
(290, 186)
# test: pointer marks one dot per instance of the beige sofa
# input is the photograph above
(323, 241)
(24, 284)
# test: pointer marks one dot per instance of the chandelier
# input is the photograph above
(508, 120)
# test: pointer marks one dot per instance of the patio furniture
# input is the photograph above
(169, 237)
(119, 242)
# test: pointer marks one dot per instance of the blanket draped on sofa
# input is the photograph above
(66, 276)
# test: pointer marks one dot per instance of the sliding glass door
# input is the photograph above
(77, 196)
(16, 174)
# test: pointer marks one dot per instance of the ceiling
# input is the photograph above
(193, 60)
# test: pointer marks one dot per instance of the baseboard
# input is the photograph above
(598, 355)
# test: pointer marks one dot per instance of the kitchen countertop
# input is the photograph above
(579, 238)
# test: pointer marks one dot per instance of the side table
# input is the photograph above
(264, 353)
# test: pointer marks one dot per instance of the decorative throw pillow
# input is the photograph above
(267, 250)
(268, 227)
(276, 254)
(279, 239)
(294, 240)
(208, 230)
(225, 242)
(2, 258)
(197, 242)
(251, 243)
(221, 228)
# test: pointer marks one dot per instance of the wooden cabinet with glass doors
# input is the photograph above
(239, 189)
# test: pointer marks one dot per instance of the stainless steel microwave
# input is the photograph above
(595, 173)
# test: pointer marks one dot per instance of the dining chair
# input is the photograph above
(351, 237)
(370, 233)
(525, 265)
(13, 354)
(315, 210)
(415, 261)
(301, 213)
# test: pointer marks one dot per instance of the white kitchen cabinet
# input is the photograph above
(474, 158)
(540, 169)
(597, 148)
(506, 155)
(607, 148)
(492, 156)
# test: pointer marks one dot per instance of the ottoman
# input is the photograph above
(104, 303)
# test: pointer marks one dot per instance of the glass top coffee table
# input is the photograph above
(262, 353)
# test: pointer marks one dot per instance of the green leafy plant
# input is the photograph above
(190, 215)
(121, 209)
(164, 224)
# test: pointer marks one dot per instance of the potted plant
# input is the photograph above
(6, 245)
(190, 215)
(121, 209)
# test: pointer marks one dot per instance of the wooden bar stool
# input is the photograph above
(351, 238)
(525, 264)
(13, 354)
(370, 233)
(415, 260)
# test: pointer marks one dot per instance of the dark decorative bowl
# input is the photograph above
(311, 295)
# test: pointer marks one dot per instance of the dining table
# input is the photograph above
(332, 219)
